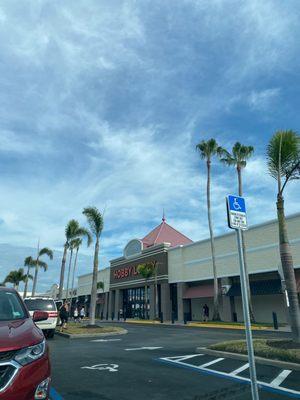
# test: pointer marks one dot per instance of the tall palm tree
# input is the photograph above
(40, 264)
(283, 155)
(76, 243)
(73, 230)
(29, 263)
(147, 270)
(238, 159)
(15, 277)
(208, 149)
(95, 221)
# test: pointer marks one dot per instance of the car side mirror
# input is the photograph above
(39, 316)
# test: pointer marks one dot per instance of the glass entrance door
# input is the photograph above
(134, 302)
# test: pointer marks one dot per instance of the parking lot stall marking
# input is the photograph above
(182, 358)
(262, 385)
(105, 340)
(280, 378)
(211, 362)
(143, 348)
(103, 367)
(241, 369)
(54, 395)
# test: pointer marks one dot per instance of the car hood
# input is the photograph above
(18, 334)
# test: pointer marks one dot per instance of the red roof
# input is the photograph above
(164, 233)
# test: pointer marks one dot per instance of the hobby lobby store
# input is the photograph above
(183, 281)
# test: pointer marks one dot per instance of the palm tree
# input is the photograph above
(73, 230)
(207, 150)
(147, 270)
(40, 264)
(238, 159)
(95, 221)
(76, 243)
(17, 276)
(283, 155)
(29, 263)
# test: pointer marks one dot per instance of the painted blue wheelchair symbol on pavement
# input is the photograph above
(237, 204)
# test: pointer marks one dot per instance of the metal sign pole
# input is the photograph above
(254, 388)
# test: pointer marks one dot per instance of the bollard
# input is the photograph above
(173, 317)
(161, 317)
(275, 321)
(112, 316)
(184, 318)
(101, 316)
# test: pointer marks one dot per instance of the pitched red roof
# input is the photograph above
(164, 233)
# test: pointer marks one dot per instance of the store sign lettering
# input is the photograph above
(125, 272)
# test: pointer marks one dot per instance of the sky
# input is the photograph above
(102, 103)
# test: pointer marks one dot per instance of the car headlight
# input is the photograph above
(30, 354)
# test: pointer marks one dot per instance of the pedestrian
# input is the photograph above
(64, 315)
(205, 312)
(82, 313)
(121, 313)
(76, 315)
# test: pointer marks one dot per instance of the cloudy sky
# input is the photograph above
(103, 102)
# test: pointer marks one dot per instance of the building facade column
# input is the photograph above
(111, 303)
(181, 287)
(105, 310)
(152, 302)
(165, 301)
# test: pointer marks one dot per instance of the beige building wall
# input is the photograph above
(85, 282)
(193, 262)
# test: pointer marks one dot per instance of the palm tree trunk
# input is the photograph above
(239, 173)
(35, 278)
(288, 270)
(94, 284)
(73, 277)
(216, 313)
(26, 283)
(69, 273)
(62, 272)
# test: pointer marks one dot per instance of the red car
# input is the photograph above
(24, 359)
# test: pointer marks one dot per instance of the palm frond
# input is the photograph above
(283, 154)
(43, 265)
(95, 219)
(207, 149)
(76, 243)
(46, 251)
(71, 228)
(29, 262)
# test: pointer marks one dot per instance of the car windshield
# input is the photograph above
(40, 304)
(10, 306)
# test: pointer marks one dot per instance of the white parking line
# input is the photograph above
(105, 340)
(241, 369)
(271, 387)
(143, 348)
(211, 362)
(281, 377)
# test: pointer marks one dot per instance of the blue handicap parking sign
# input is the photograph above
(236, 204)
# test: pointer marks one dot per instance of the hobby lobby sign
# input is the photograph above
(125, 272)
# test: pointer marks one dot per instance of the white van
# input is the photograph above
(44, 304)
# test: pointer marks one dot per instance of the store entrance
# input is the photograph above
(134, 303)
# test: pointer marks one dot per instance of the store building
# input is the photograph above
(184, 281)
(127, 285)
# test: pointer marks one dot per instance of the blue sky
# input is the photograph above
(102, 103)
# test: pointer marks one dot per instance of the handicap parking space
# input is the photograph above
(283, 382)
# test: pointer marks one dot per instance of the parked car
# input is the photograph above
(24, 359)
(48, 305)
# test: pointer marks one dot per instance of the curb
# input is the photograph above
(232, 327)
(92, 335)
(244, 357)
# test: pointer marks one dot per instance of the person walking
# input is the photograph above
(76, 315)
(64, 316)
(82, 313)
(205, 312)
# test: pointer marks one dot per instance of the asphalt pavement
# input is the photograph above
(160, 363)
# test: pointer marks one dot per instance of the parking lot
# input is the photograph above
(160, 363)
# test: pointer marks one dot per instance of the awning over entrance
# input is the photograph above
(197, 292)
(272, 286)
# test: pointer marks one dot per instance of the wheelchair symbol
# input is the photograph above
(236, 205)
